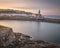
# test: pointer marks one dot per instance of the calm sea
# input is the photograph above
(37, 30)
(52, 16)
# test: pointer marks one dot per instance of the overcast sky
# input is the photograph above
(46, 6)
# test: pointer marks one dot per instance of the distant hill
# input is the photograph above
(14, 11)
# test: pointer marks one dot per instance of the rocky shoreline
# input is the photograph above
(10, 39)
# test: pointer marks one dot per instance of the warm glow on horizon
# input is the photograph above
(43, 11)
(22, 9)
(46, 7)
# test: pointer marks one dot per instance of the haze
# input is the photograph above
(50, 7)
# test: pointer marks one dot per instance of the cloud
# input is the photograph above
(50, 11)
(47, 6)
(37, 4)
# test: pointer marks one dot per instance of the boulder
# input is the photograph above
(6, 36)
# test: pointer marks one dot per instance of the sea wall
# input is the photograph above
(10, 39)
(29, 18)
(52, 20)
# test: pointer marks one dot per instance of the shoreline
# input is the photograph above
(11, 39)
(29, 19)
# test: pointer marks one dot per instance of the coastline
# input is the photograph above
(23, 18)
(11, 39)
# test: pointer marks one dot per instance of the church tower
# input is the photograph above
(39, 13)
(39, 16)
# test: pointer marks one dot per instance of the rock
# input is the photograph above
(10, 39)
(6, 36)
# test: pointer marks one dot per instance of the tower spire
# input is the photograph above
(39, 13)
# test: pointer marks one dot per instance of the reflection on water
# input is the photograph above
(38, 30)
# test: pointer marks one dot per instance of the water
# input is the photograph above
(38, 30)
(52, 16)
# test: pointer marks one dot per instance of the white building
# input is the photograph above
(15, 14)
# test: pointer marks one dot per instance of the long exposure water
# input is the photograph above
(37, 30)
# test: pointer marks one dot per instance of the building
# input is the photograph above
(39, 16)
(39, 13)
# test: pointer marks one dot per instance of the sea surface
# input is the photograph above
(45, 31)
(52, 16)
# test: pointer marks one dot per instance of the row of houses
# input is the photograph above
(18, 13)
(11, 12)
(14, 14)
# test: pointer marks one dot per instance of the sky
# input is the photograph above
(49, 7)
